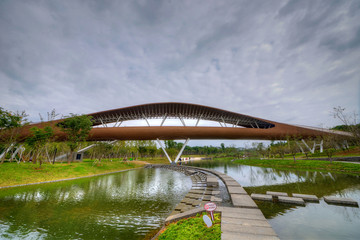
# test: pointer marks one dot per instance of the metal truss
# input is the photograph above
(179, 111)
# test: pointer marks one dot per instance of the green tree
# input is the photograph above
(152, 151)
(37, 141)
(9, 120)
(293, 148)
(260, 149)
(278, 148)
(170, 144)
(172, 152)
(330, 144)
(102, 150)
(222, 145)
(10, 126)
(77, 129)
(142, 150)
(350, 123)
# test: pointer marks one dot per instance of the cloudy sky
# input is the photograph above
(287, 61)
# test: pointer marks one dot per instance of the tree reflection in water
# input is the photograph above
(122, 206)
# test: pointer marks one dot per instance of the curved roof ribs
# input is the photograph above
(178, 110)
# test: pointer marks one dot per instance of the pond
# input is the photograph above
(315, 220)
(127, 205)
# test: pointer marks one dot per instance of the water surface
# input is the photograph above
(315, 220)
(126, 205)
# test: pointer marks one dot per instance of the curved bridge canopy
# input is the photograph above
(233, 125)
(178, 110)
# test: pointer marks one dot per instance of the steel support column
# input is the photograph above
(164, 150)
(179, 154)
(307, 146)
(19, 148)
(182, 149)
(302, 150)
(6, 150)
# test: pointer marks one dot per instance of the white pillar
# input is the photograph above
(16, 151)
(302, 150)
(3, 154)
(182, 149)
(321, 146)
(164, 150)
(307, 146)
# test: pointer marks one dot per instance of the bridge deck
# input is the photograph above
(244, 220)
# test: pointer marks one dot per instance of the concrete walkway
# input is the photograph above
(244, 220)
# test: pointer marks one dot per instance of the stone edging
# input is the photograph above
(68, 179)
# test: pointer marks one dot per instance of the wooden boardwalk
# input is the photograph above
(243, 220)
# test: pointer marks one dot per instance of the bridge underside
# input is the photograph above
(176, 132)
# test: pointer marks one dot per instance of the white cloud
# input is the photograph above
(288, 61)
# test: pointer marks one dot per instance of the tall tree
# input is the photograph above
(37, 141)
(293, 148)
(77, 129)
(330, 144)
(10, 124)
(350, 121)
(222, 147)
(170, 144)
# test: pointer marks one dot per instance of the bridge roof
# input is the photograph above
(178, 110)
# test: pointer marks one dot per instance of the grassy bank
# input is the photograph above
(24, 173)
(350, 168)
(192, 228)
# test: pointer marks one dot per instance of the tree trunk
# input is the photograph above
(40, 159)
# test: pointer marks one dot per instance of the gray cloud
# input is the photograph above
(288, 61)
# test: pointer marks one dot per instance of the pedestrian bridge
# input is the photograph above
(107, 125)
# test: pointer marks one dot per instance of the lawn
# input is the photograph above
(192, 228)
(24, 173)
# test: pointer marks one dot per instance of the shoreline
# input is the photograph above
(68, 179)
(342, 167)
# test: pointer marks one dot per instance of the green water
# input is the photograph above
(315, 220)
(126, 205)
